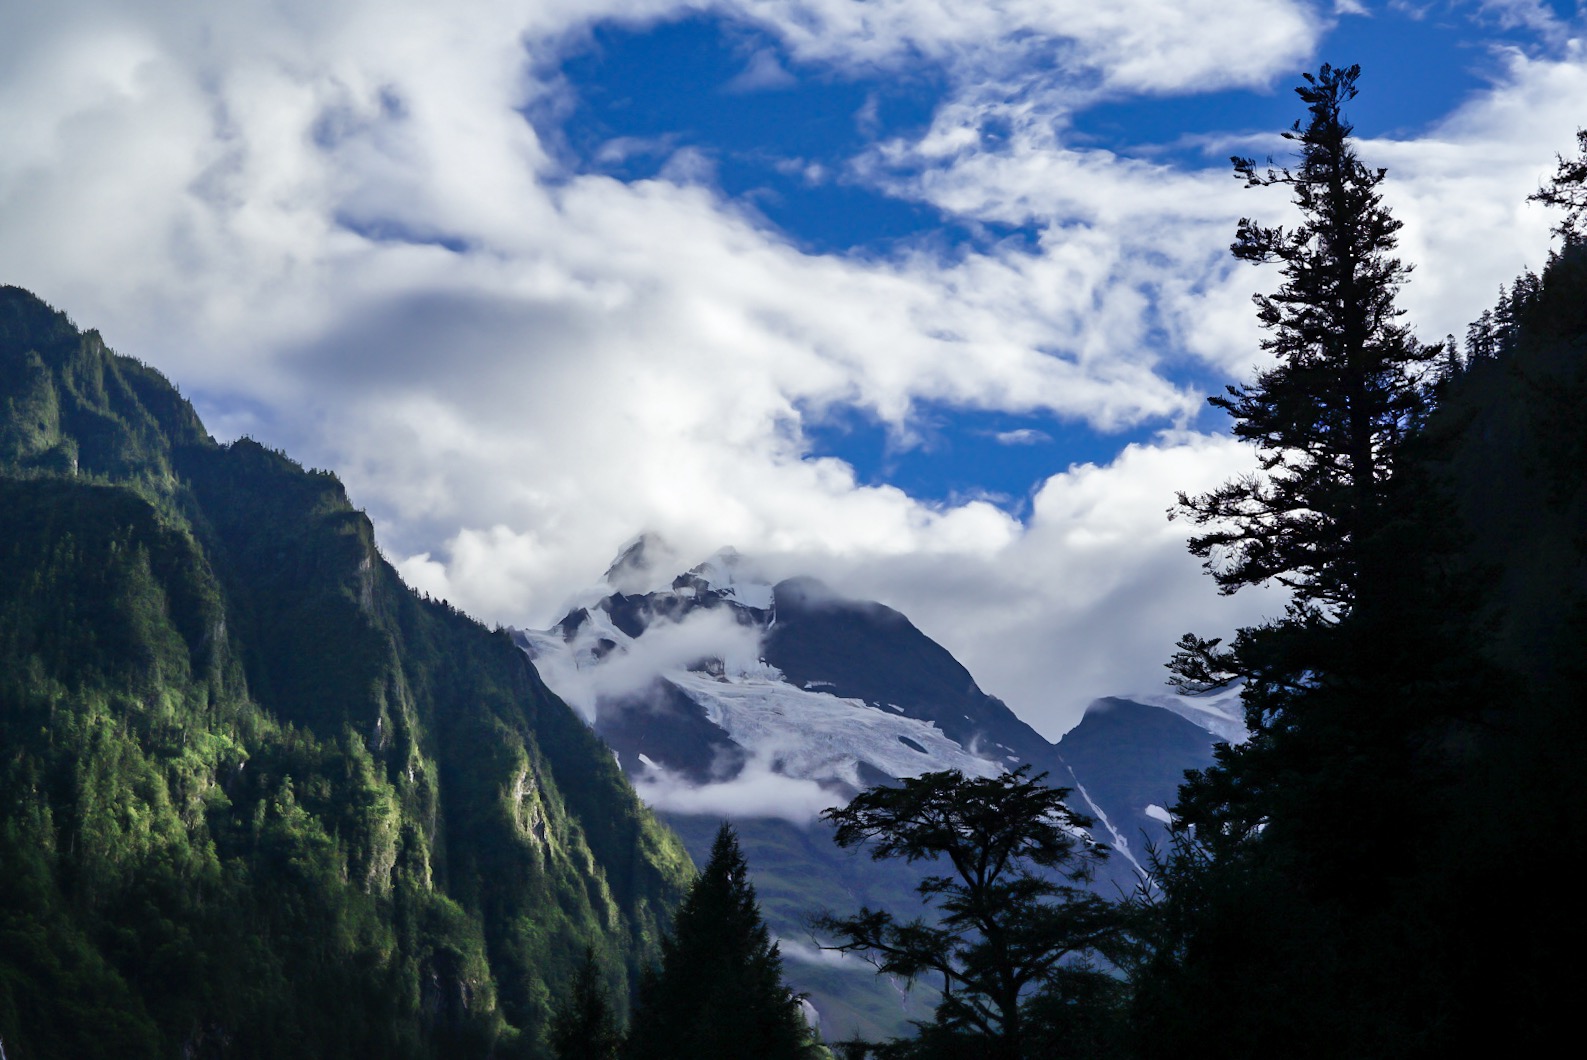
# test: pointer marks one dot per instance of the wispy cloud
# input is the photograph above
(1022, 436)
(764, 73)
(756, 792)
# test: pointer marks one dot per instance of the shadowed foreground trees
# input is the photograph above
(1011, 913)
(719, 990)
(1344, 882)
(584, 1027)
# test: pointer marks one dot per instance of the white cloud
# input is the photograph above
(764, 73)
(1022, 436)
(1128, 46)
(332, 224)
(1087, 600)
(1461, 189)
(1530, 14)
(755, 792)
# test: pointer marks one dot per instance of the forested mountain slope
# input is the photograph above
(257, 797)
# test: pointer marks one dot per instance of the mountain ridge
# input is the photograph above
(257, 793)
(724, 695)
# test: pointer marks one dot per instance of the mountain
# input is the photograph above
(724, 694)
(1125, 761)
(257, 796)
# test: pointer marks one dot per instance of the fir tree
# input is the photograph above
(1278, 934)
(584, 1027)
(1327, 418)
(719, 990)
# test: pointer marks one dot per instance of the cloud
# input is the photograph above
(1132, 45)
(755, 792)
(1087, 600)
(333, 225)
(631, 666)
(1461, 189)
(1022, 436)
(1529, 14)
(764, 73)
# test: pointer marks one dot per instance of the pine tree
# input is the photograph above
(1280, 936)
(719, 990)
(1327, 418)
(584, 1027)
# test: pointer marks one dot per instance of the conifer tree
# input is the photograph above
(1568, 191)
(1327, 418)
(719, 990)
(1279, 936)
(1010, 916)
(584, 1027)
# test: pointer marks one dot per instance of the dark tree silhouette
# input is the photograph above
(584, 1027)
(1289, 924)
(1327, 418)
(719, 989)
(1568, 191)
(1010, 913)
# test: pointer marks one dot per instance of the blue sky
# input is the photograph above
(923, 298)
(776, 137)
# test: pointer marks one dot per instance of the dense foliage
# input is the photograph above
(257, 798)
(1009, 919)
(1354, 879)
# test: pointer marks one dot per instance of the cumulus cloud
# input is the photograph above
(1086, 600)
(332, 224)
(633, 666)
(1461, 189)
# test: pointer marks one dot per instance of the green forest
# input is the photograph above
(260, 798)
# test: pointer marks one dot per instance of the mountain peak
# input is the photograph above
(642, 565)
(730, 575)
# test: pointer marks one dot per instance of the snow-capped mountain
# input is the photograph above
(724, 694)
(723, 675)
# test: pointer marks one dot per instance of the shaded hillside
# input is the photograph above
(1517, 473)
(257, 797)
(1126, 761)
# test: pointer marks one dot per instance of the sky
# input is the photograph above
(922, 298)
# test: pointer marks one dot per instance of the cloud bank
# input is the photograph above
(334, 226)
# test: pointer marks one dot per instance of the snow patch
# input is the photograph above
(729, 574)
(819, 736)
(1121, 843)
(1221, 714)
